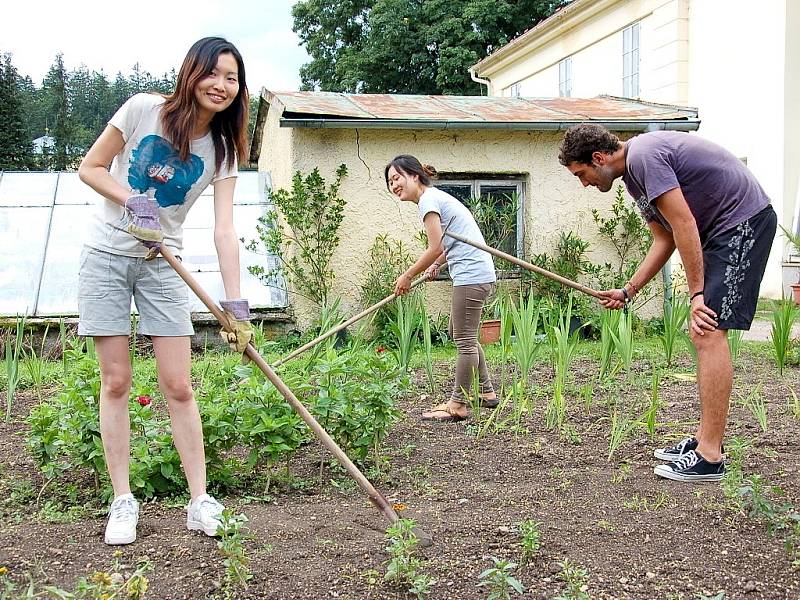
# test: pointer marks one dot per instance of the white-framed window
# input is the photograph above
(497, 201)
(514, 90)
(565, 78)
(630, 61)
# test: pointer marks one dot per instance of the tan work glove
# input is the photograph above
(241, 334)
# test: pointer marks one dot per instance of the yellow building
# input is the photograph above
(736, 61)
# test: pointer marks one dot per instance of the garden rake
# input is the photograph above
(350, 321)
(377, 499)
(526, 265)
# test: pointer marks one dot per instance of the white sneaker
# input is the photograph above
(204, 514)
(123, 515)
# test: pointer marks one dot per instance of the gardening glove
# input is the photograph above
(141, 220)
(238, 313)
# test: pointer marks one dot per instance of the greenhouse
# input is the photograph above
(43, 217)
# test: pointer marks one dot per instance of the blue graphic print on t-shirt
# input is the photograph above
(155, 164)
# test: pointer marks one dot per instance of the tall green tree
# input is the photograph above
(56, 101)
(16, 151)
(407, 46)
(333, 34)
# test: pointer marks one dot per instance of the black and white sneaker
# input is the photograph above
(691, 467)
(677, 451)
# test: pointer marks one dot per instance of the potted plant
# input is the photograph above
(489, 332)
(794, 240)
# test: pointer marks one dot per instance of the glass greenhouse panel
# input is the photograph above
(250, 188)
(71, 190)
(34, 283)
(58, 293)
(23, 232)
(27, 189)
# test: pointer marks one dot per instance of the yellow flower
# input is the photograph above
(137, 587)
(3, 570)
(101, 578)
(117, 553)
(398, 506)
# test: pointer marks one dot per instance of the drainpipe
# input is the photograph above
(477, 79)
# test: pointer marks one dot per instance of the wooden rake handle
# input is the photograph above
(377, 499)
(338, 328)
(526, 265)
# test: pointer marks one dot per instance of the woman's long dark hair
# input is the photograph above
(410, 165)
(179, 113)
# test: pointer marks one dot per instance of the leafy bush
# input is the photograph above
(303, 233)
(352, 396)
(388, 258)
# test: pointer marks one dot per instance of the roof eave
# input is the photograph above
(613, 125)
(567, 17)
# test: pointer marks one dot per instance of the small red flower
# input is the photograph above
(144, 400)
(380, 349)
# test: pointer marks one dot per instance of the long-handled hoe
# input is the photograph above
(338, 328)
(374, 495)
(526, 265)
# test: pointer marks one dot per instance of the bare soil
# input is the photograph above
(636, 535)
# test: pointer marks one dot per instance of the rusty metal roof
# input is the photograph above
(331, 109)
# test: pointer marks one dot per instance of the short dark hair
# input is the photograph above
(583, 140)
(410, 165)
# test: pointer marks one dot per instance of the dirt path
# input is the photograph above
(636, 536)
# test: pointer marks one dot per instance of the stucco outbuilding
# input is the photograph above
(468, 139)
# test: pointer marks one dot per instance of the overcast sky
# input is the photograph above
(113, 36)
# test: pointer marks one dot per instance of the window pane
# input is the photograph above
(27, 189)
(626, 39)
(58, 293)
(635, 35)
(460, 191)
(635, 61)
(22, 236)
(71, 190)
(496, 214)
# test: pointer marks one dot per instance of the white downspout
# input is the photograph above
(477, 79)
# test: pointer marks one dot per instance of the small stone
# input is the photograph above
(555, 568)
(650, 575)
(462, 500)
(504, 529)
(117, 579)
(623, 580)
(750, 586)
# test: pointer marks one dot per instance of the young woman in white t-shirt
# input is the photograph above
(163, 152)
(472, 271)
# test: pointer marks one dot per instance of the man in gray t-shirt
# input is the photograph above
(699, 198)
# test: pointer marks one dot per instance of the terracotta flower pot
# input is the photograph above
(796, 292)
(489, 332)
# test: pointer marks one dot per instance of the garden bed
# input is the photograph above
(632, 534)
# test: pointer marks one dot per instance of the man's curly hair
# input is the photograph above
(581, 141)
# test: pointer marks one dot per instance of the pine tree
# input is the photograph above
(55, 89)
(16, 150)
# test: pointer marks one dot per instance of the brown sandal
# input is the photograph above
(451, 415)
